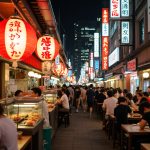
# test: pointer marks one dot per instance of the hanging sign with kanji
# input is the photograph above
(47, 48)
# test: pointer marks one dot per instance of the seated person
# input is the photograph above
(63, 102)
(121, 112)
(130, 101)
(144, 109)
(8, 132)
(18, 93)
(36, 92)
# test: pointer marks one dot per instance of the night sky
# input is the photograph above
(68, 11)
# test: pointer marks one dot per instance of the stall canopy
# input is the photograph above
(38, 13)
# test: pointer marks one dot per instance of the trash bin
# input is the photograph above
(47, 138)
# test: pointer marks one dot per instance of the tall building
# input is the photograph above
(83, 43)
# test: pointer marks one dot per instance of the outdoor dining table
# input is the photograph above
(131, 119)
(145, 146)
(133, 130)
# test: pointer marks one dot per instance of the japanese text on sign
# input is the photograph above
(115, 8)
(124, 8)
(125, 32)
(105, 22)
(15, 35)
(105, 53)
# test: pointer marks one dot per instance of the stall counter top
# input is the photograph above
(23, 142)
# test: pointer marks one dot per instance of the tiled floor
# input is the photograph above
(82, 134)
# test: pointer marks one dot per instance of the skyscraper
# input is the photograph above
(83, 43)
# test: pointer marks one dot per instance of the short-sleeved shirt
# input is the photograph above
(65, 101)
(90, 95)
(146, 117)
(109, 105)
(8, 134)
(121, 113)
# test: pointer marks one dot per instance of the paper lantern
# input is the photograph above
(65, 72)
(58, 69)
(47, 48)
(17, 39)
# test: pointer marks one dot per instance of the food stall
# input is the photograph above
(28, 117)
(51, 97)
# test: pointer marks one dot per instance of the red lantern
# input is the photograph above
(47, 48)
(17, 39)
(58, 69)
(65, 72)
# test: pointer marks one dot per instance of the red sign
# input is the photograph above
(105, 38)
(131, 65)
(105, 42)
(115, 8)
(105, 18)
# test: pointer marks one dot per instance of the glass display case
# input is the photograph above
(25, 111)
(50, 96)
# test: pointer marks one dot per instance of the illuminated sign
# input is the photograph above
(105, 22)
(131, 65)
(115, 8)
(114, 57)
(57, 60)
(96, 64)
(96, 44)
(91, 59)
(105, 38)
(105, 43)
(124, 8)
(125, 32)
(148, 14)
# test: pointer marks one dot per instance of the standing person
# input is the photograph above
(83, 98)
(77, 97)
(90, 98)
(36, 92)
(101, 96)
(8, 132)
(71, 90)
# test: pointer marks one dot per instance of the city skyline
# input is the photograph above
(67, 12)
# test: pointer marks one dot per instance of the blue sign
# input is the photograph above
(57, 60)
(69, 73)
(96, 64)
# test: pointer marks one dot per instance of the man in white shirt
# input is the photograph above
(109, 104)
(64, 102)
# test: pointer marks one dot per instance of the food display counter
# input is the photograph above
(51, 97)
(25, 143)
(27, 113)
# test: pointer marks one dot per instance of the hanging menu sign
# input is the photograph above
(125, 32)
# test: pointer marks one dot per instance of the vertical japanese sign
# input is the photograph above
(91, 59)
(114, 8)
(15, 37)
(125, 8)
(96, 44)
(105, 39)
(125, 32)
(148, 14)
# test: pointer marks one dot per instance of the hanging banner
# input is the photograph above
(105, 38)
(125, 32)
(148, 14)
(124, 8)
(115, 8)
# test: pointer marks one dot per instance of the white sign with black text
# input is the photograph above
(114, 57)
(125, 32)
